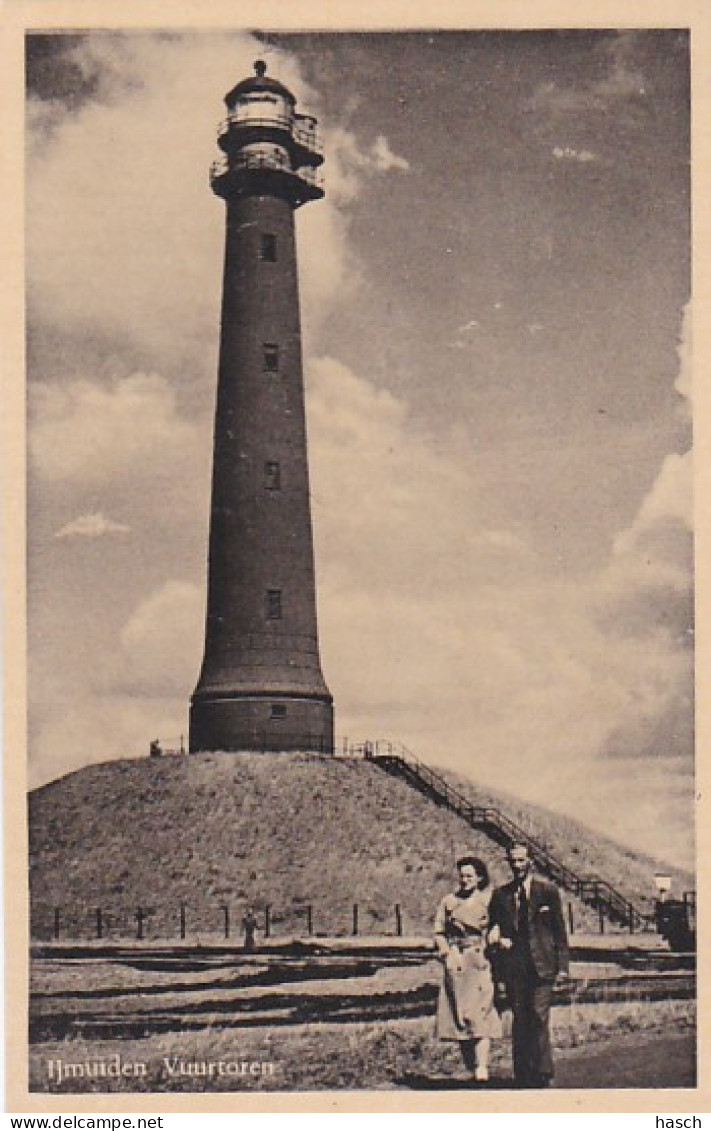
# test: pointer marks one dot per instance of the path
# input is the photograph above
(635, 1061)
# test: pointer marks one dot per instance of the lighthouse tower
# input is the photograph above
(261, 686)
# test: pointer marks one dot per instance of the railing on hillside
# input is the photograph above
(592, 890)
(160, 746)
(277, 741)
(201, 922)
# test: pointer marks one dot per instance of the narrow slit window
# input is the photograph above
(278, 711)
(271, 357)
(267, 247)
(272, 475)
(273, 604)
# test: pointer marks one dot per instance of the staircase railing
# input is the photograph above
(592, 890)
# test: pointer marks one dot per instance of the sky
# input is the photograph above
(497, 331)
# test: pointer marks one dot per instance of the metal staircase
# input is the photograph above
(592, 890)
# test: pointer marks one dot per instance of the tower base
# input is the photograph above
(276, 723)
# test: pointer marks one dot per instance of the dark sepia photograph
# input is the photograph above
(359, 562)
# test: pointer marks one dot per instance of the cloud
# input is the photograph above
(648, 583)
(121, 684)
(622, 82)
(645, 595)
(625, 78)
(406, 505)
(504, 540)
(98, 728)
(473, 332)
(330, 270)
(160, 642)
(668, 502)
(684, 382)
(350, 163)
(384, 159)
(146, 272)
(644, 602)
(567, 153)
(85, 431)
(92, 526)
(606, 101)
(42, 118)
(460, 646)
(139, 272)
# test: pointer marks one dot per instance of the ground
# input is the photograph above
(332, 1022)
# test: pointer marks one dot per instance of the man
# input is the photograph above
(249, 924)
(530, 947)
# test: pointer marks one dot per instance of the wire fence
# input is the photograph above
(188, 922)
(191, 922)
(277, 741)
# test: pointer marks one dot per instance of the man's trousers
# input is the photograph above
(530, 999)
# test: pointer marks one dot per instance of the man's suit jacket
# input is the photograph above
(546, 938)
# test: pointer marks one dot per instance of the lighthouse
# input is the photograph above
(261, 685)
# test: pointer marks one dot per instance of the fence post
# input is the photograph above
(355, 918)
(309, 919)
(631, 911)
(571, 921)
(267, 922)
(600, 909)
(398, 920)
(139, 923)
(99, 924)
(57, 923)
(182, 920)
(226, 913)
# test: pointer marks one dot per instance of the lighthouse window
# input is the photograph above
(272, 475)
(271, 357)
(278, 711)
(273, 604)
(267, 247)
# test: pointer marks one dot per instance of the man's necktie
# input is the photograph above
(522, 909)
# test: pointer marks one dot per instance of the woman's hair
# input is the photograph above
(479, 867)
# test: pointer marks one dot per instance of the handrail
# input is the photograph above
(166, 746)
(243, 160)
(263, 121)
(484, 814)
(271, 161)
(404, 762)
(300, 128)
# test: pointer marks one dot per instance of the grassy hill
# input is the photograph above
(284, 830)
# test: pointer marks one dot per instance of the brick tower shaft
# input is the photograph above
(261, 686)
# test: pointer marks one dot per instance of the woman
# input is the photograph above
(465, 1011)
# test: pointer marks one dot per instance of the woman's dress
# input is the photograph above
(465, 1010)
